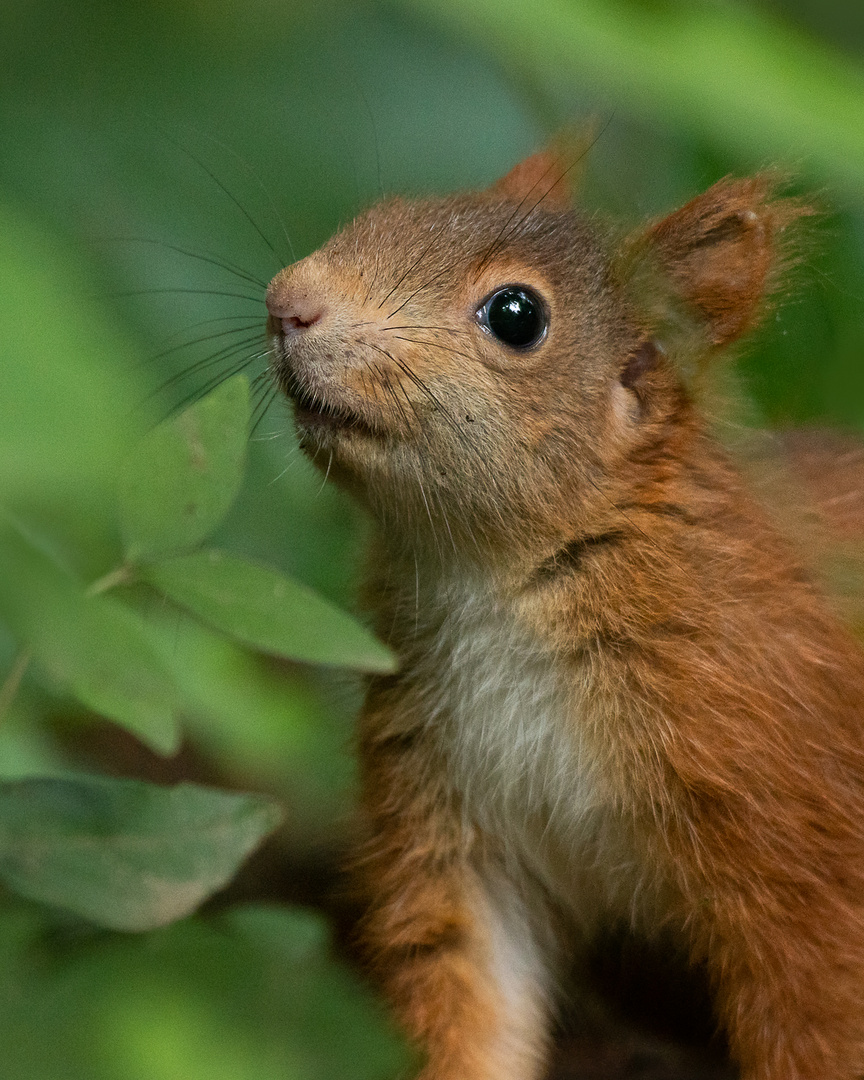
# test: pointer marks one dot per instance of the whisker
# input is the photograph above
(202, 365)
(418, 382)
(213, 260)
(443, 511)
(435, 345)
(501, 235)
(444, 411)
(428, 513)
(413, 266)
(259, 388)
(417, 415)
(469, 445)
(420, 289)
(262, 407)
(184, 291)
(261, 378)
(291, 458)
(362, 94)
(365, 382)
(416, 596)
(502, 231)
(211, 384)
(209, 322)
(264, 189)
(326, 475)
(230, 195)
(418, 326)
(245, 329)
(388, 386)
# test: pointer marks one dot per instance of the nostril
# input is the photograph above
(291, 323)
(293, 307)
(296, 300)
(292, 313)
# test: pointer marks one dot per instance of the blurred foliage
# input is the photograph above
(125, 855)
(155, 160)
(246, 995)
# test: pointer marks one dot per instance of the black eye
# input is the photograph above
(514, 315)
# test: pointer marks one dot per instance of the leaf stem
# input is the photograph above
(13, 681)
(121, 575)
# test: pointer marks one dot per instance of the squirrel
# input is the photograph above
(620, 694)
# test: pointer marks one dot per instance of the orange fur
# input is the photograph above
(621, 693)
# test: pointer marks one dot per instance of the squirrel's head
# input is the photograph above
(487, 362)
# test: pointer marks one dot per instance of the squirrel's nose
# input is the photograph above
(292, 308)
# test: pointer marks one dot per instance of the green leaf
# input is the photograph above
(256, 717)
(181, 480)
(94, 646)
(66, 400)
(269, 611)
(247, 993)
(125, 855)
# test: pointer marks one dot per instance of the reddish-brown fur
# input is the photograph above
(621, 694)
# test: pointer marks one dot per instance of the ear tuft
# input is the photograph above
(540, 176)
(551, 175)
(721, 250)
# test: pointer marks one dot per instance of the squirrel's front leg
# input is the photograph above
(447, 933)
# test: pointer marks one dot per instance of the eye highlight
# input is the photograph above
(515, 315)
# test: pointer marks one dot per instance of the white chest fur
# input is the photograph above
(510, 719)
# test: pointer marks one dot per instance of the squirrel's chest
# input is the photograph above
(514, 727)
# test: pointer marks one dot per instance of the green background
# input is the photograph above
(112, 119)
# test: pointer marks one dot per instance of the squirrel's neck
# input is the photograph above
(672, 525)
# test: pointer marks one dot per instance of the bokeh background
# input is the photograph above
(137, 141)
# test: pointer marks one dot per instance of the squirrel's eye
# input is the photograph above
(514, 315)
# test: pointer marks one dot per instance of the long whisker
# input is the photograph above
(469, 445)
(268, 395)
(503, 230)
(420, 289)
(326, 474)
(498, 242)
(289, 461)
(388, 387)
(435, 345)
(418, 382)
(208, 322)
(449, 418)
(245, 329)
(420, 326)
(264, 189)
(230, 195)
(502, 233)
(428, 513)
(411, 405)
(213, 260)
(412, 267)
(215, 381)
(208, 361)
(184, 291)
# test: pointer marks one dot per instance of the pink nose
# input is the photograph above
(292, 309)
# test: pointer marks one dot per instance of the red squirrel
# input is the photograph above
(620, 693)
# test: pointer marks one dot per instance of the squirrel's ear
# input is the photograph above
(552, 175)
(722, 250)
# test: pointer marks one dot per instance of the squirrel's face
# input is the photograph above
(474, 361)
(455, 357)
